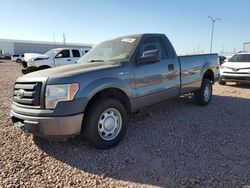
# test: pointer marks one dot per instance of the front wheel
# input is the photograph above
(204, 94)
(105, 123)
(221, 82)
(43, 67)
(19, 61)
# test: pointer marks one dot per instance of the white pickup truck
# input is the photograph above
(53, 58)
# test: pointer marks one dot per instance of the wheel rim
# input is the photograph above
(109, 124)
(207, 93)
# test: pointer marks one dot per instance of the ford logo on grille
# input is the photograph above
(20, 93)
(235, 70)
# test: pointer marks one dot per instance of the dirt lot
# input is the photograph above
(173, 144)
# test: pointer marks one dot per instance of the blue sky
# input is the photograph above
(185, 22)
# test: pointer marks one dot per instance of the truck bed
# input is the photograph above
(193, 67)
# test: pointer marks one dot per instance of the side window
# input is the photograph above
(22, 55)
(63, 54)
(153, 43)
(76, 53)
(86, 51)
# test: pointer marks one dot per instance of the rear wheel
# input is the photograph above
(105, 123)
(19, 61)
(204, 94)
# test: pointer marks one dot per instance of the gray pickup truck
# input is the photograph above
(117, 77)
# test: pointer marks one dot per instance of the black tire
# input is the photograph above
(199, 95)
(43, 67)
(19, 61)
(91, 126)
(221, 82)
(24, 71)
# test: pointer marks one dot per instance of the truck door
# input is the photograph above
(63, 58)
(75, 55)
(159, 80)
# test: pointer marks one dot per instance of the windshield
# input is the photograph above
(240, 58)
(52, 52)
(116, 49)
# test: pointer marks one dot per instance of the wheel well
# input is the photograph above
(43, 67)
(209, 75)
(112, 93)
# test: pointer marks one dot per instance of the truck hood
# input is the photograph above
(71, 70)
(29, 56)
(237, 65)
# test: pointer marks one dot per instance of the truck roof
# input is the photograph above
(140, 35)
(70, 48)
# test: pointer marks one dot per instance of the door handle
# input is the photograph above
(170, 67)
(68, 59)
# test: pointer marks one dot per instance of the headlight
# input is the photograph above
(57, 93)
(222, 67)
(31, 64)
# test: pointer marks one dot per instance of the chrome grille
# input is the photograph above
(27, 93)
(236, 72)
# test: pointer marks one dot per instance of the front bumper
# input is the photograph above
(235, 78)
(49, 127)
(27, 70)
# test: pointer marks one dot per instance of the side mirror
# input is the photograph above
(151, 56)
(222, 59)
(59, 56)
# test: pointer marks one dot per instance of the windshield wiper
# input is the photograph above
(96, 60)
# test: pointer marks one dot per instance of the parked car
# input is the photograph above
(236, 69)
(5, 57)
(117, 77)
(17, 58)
(53, 58)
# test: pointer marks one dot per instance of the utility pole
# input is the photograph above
(54, 37)
(212, 34)
(64, 39)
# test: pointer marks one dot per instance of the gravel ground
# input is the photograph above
(173, 144)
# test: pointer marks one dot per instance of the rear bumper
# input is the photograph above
(49, 127)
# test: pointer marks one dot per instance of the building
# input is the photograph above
(246, 47)
(11, 47)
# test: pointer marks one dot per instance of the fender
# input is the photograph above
(45, 62)
(86, 93)
(212, 65)
(102, 83)
(204, 68)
